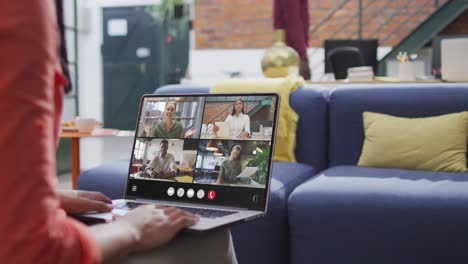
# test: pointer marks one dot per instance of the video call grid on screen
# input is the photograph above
(211, 140)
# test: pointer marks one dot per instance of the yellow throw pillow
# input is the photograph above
(436, 143)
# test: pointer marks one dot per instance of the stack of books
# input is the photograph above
(364, 73)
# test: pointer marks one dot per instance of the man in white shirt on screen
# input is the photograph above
(163, 166)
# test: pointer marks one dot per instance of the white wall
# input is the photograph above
(96, 151)
(89, 52)
(212, 65)
(69, 21)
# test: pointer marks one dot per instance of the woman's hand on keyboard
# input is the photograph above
(153, 226)
(78, 202)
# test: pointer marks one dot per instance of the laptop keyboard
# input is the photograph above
(206, 213)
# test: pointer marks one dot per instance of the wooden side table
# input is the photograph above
(75, 147)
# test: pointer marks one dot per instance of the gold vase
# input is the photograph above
(280, 60)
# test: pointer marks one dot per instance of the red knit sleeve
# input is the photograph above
(33, 228)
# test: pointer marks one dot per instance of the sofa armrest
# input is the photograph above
(110, 179)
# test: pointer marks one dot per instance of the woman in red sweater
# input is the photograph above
(34, 227)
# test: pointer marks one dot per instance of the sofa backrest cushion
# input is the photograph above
(346, 105)
(310, 104)
(182, 89)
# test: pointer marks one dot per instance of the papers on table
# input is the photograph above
(247, 172)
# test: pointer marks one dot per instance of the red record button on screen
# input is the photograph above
(211, 194)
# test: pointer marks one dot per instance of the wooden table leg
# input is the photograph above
(75, 156)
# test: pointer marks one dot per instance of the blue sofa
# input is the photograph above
(348, 214)
(325, 209)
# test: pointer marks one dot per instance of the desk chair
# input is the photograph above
(342, 58)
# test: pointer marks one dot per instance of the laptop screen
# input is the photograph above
(210, 149)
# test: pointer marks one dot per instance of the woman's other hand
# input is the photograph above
(153, 226)
(215, 129)
(245, 135)
(155, 174)
(146, 129)
(190, 133)
(78, 202)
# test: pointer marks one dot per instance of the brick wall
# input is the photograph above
(247, 24)
(233, 23)
(217, 111)
(212, 110)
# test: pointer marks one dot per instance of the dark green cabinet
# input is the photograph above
(140, 53)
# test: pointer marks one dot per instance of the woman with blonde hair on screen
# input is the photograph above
(167, 128)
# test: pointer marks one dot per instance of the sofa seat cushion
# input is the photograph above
(109, 179)
(372, 215)
(267, 240)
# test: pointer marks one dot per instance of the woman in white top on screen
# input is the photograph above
(239, 123)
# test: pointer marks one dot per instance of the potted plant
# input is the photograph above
(261, 162)
(167, 10)
(173, 8)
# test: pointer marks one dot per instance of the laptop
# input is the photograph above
(223, 181)
(454, 59)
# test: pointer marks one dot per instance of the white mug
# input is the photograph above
(406, 71)
(85, 124)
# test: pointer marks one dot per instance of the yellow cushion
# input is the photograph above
(436, 143)
(287, 123)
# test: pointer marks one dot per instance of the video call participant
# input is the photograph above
(163, 166)
(230, 168)
(239, 122)
(168, 128)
